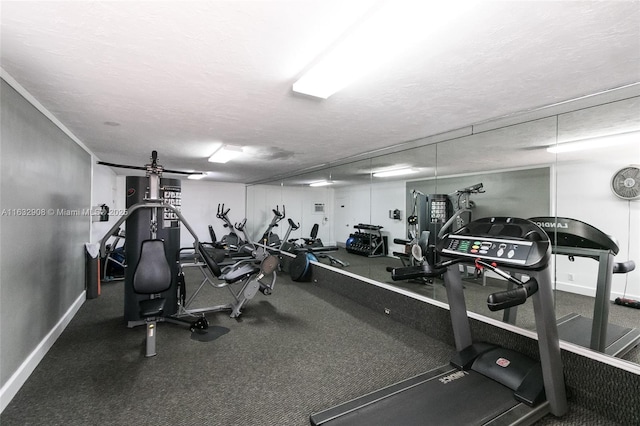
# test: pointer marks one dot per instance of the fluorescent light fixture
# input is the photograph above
(396, 172)
(225, 153)
(595, 143)
(321, 183)
(388, 32)
(197, 176)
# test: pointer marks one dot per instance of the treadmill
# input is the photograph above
(484, 383)
(572, 237)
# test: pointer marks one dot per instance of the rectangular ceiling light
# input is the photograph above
(225, 153)
(321, 183)
(389, 31)
(196, 176)
(594, 143)
(396, 172)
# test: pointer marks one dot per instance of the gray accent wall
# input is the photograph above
(45, 180)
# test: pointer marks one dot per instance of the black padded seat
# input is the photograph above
(151, 277)
(209, 261)
(189, 254)
(419, 271)
(319, 249)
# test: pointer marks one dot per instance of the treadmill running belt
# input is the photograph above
(576, 329)
(430, 403)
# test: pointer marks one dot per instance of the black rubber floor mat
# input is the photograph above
(210, 334)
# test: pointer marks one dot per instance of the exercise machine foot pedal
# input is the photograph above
(199, 324)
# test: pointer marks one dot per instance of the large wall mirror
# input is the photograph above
(499, 168)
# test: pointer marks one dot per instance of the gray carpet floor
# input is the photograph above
(298, 351)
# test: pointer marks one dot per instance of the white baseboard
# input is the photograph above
(15, 382)
(589, 291)
(572, 287)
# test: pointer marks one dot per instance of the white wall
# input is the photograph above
(104, 190)
(603, 210)
(389, 196)
(299, 203)
(352, 206)
(600, 208)
(310, 197)
(261, 199)
(200, 203)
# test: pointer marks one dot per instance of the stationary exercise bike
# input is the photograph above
(233, 241)
(311, 249)
(270, 238)
(290, 244)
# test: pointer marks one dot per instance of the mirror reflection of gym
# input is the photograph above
(574, 185)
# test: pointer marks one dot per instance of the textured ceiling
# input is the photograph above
(180, 77)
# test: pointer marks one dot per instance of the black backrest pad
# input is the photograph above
(210, 262)
(212, 234)
(153, 273)
(314, 231)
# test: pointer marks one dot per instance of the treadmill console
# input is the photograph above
(503, 240)
(567, 232)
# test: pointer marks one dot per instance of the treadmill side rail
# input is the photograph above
(332, 413)
(520, 415)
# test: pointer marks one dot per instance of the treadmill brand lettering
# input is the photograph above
(552, 225)
(453, 376)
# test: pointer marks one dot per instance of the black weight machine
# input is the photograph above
(575, 238)
(432, 217)
(152, 289)
(484, 384)
(412, 255)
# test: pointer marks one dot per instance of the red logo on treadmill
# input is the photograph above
(503, 362)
